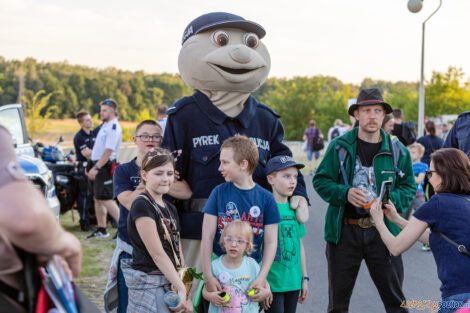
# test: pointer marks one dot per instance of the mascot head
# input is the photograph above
(223, 52)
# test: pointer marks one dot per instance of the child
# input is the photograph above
(240, 198)
(234, 270)
(154, 230)
(419, 169)
(289, 261)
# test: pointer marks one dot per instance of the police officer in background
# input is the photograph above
(83, 142)
(103, 159)
(458, 136)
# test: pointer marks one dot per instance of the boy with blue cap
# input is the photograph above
(290, 258)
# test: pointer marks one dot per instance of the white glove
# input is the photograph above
(300, 205)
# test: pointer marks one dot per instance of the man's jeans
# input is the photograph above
(344, 260)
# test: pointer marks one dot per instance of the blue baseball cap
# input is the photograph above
(218, 19)
(281, 162)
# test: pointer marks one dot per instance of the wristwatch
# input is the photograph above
(306, 278)
(96, 167)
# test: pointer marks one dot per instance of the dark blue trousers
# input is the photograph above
(284, 302)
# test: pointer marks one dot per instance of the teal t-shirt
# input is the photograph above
(235, 283)
(286, 272)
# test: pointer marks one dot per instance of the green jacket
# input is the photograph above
(329, 183)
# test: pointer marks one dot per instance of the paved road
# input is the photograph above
(421, 282)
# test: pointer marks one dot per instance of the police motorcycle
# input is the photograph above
(63, 170)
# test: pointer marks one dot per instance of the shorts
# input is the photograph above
(102, 186)
(310, 153)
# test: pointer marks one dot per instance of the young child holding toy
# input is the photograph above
(287, 277)
(240, 198)
(154, 230)
(235, 271)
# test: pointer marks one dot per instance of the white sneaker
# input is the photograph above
(425, 247)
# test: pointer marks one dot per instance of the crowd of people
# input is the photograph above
(149, 252)
(251, 237)
(213, 188)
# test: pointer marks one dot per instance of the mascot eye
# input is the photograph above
(251, 40)
(220, 38)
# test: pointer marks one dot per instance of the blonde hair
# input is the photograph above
(242, 229)
(419, 147)
(243, 149)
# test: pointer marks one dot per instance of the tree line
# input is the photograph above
(71, 88)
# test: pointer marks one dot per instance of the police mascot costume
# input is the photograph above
(223, 60)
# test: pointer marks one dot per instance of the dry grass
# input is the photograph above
(67, 128)
(97, 254)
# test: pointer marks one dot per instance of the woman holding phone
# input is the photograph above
(442, 222)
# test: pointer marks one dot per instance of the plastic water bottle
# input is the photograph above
(368, 195)
(171, 299)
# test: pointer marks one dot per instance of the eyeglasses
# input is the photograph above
(429, 173)
(146, 138)
(228, 240)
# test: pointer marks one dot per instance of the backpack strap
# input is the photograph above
(397, 152)
(342, 157)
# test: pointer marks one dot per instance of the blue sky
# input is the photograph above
(347, 39)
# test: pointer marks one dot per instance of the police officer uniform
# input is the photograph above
(196, 130)
(458, 136)
(81, 141)
(108, 137)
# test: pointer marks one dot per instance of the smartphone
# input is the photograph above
(385, 192)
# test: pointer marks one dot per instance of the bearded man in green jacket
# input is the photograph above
(349, 179)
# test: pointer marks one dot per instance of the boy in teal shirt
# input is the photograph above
(288, 274)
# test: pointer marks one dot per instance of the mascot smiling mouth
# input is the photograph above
(235, 71)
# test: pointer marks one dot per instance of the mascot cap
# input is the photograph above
(218, 19)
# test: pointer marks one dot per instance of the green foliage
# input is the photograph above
(70, 88)
(76, 87)
(38, 110)
(446, 93)
(127, 134)
(301, 99)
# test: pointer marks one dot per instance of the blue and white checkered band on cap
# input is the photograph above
(221, 19)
